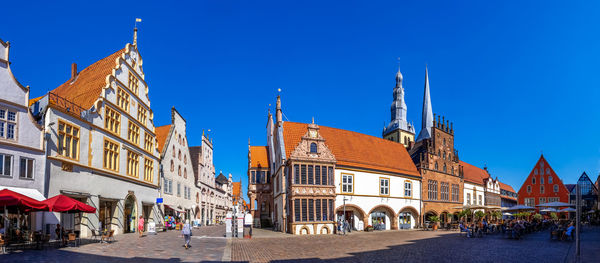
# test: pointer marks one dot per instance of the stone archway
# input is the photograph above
(429, 213)
(389, 213)
(408, 217)
(350, 210)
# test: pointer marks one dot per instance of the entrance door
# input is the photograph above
(378, 220)
(130, 215)
(405, 220)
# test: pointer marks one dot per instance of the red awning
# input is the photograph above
(63, 203)
(11, 199)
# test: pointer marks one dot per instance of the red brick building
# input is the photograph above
(542, 186)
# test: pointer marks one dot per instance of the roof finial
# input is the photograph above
(135, 31)
(313, 120)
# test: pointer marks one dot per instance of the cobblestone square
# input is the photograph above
(415, 246)
(208, 244)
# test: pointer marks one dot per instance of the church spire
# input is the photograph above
(398, 109)
(427, 118)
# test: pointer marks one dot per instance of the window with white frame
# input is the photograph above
(384, 186)
(347, 183)
(556, 188)
(407, 188)
(541, 180)
(5, 165)
(549, 179)
(8, 124)
(530, 202)
(542, 200)
(468, 198)
(178, 189)
(542, 189)
(480, 200)
(553, 199)
(26, 168)
(529, 189)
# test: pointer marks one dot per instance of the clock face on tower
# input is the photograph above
(313, 134)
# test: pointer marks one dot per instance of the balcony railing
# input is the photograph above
(65, 104)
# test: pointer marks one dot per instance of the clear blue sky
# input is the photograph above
(516, 79)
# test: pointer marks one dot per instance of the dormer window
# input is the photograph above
(313, 147)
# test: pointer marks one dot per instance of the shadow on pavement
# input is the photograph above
(534, 247)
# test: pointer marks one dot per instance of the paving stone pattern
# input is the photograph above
(415, 246)
(208, 244)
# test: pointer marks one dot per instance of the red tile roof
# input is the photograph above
(237, 192)
(355, 149)
(506, 187)
(88, 84)
(474, 174)
(161, 136)
(259, 156)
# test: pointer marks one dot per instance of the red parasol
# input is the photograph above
(63, 203)
(10, 198)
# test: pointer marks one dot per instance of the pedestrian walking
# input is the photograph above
(141, 226)
(187, 233)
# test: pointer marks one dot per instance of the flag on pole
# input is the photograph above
(138, 20)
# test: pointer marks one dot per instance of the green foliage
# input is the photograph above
(479, 214)
(497, 214)
(537, 216)
(554, 216)
(434, 219)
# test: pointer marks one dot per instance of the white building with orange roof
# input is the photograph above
(22, 157)
(508, 195)
(480, 188)
(101, 143)
(318, 173)
(181, 197)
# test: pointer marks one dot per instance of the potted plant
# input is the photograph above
(537, 216)
(435, 220)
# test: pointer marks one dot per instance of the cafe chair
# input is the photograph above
(72, 238)
(95, 235)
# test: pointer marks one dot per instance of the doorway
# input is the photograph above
(130, 213)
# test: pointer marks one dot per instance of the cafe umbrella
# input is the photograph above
(554, 204)
(12, 199)
(65, 204)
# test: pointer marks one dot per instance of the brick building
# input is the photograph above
(260, 191)
(542, 186)
(438, 163)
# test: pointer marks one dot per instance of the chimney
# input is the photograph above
(73, 71)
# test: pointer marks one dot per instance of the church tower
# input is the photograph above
(399, 130)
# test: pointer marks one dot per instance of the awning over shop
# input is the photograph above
(31, 193)
(174, 209)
